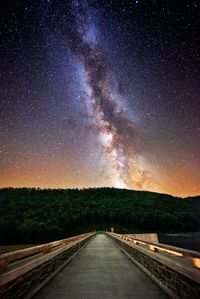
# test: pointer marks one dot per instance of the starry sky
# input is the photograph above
(100, 93)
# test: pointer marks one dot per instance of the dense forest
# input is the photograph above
(38, 216)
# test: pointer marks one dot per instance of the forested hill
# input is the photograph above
(35, 215)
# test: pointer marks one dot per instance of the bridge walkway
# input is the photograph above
(101, 271)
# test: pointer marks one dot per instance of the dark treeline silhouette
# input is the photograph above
(38, 216)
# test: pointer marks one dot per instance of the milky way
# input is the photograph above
(100, 93)
(115, 131)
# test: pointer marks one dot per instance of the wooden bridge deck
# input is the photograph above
(101, 270)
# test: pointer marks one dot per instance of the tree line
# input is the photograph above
(29, 215)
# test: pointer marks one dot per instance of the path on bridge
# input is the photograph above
(101, 271)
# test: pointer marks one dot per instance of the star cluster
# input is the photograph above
(100, 93)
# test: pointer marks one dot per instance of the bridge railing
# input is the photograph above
(193, 256)
(10, 257)
(175, 270)
(25, 271)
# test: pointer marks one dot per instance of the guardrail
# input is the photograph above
(174, 269)
(25, 271)
(194, 256)
(10, 257)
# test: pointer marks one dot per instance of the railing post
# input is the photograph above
(47, 249)
(153, 248)
(196, 262)
(3, 264)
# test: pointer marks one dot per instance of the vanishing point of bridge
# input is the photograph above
(100, 270)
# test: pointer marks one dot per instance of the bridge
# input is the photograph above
(100, 266)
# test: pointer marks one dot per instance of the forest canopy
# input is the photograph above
(42, 215)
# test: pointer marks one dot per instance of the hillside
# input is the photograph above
(35, 215)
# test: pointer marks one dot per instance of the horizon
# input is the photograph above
(94, 188)
(96, 94)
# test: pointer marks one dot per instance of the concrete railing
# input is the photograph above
(175, 270)
(24, 272)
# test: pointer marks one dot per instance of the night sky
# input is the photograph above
(100, 93)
